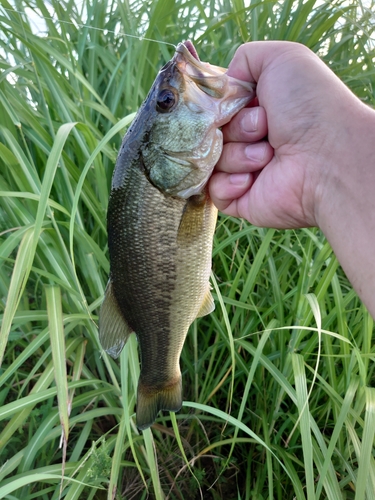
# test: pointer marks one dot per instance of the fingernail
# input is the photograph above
(249, 121)
(239, 179)
(255, 151)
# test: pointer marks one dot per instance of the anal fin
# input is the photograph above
(208, 304)
(113, 329)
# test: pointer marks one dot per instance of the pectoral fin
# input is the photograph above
(208, 304)
(113, 329)
(192, 219)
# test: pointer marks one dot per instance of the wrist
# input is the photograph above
(347, 182)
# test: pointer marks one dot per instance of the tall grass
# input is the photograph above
(277, 381)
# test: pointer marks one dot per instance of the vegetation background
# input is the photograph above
(278, 381)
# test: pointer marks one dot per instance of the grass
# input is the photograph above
(278, 381)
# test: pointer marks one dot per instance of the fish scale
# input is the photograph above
(161, 222)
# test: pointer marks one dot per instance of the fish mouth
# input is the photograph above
(190, 47)
(209, 87)
(188, 62)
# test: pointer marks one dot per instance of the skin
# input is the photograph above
(302, 156)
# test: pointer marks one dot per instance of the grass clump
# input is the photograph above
(278, 380)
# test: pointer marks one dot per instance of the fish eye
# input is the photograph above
(165, 101)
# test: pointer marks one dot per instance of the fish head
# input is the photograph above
(188, 103)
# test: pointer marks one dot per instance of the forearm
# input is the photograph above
(346, 210)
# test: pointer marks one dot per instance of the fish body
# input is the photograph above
(161, 222)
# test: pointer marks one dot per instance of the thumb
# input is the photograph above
(252, 59)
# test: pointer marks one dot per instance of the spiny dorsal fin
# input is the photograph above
(113, 329)
(208, 304)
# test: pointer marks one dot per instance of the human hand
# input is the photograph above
(279, 181)
(316, 162)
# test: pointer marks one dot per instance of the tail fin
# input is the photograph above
(150, 401)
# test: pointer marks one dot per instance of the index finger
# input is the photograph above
(248, 125)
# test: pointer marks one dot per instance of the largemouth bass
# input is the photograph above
(161, 222)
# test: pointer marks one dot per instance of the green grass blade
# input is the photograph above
(27, 251)
(17, 285)
(365, 488)
(303, 408)
(153, 463)
(56, 331)
(336, 433)
(116, 459)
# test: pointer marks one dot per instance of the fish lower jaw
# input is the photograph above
(192, 191)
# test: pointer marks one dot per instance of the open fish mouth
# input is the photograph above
(190, 47)
(206, 81)
(188, 62)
